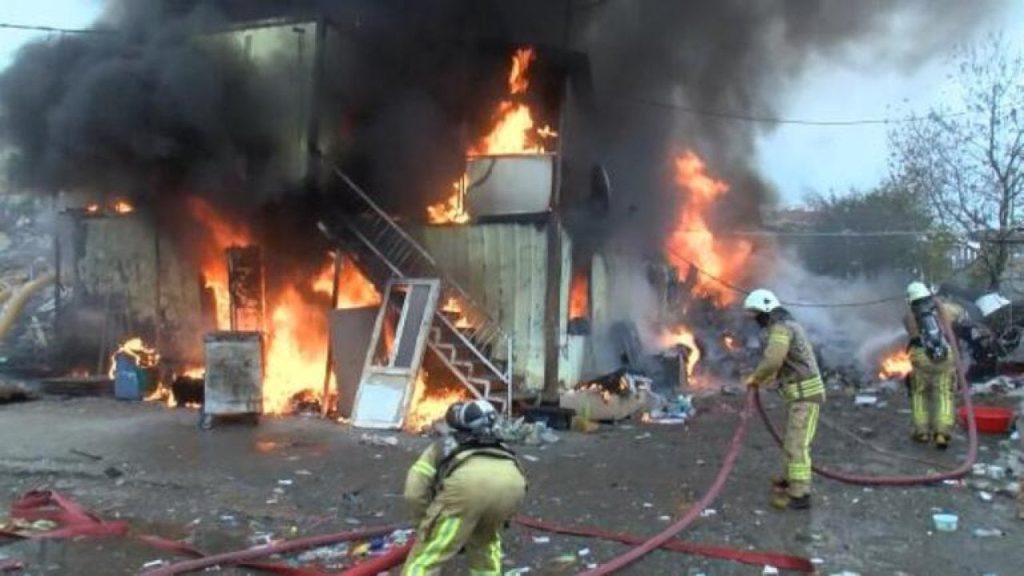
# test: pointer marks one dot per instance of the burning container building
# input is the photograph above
(518, 294)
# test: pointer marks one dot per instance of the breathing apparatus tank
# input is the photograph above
(933, 339)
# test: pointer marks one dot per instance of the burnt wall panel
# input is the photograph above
(503, 267)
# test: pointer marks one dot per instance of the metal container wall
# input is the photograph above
(510, 184)
(234, 373)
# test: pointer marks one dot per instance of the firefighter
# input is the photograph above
(789, 362)
(929, 323)
(463, 490)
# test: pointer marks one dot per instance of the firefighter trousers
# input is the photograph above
(932, 385)
(468, 514)
(801, 426)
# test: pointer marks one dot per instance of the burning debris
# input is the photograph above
(514, 131)
(611, 397)
(692, 244)
(895, 366)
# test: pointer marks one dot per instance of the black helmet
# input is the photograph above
(474, 416)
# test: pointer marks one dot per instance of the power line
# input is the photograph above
(744, 291)
(741, 117)
(812, 234)
(53, 29)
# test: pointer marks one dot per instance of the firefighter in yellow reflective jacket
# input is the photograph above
(463, 491)
(933, 358)
(789, 361)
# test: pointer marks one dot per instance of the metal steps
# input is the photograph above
(470, 343)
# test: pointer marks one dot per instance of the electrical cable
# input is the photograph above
(743, 291)
(739, 117)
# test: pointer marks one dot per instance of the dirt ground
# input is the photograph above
(223, 489)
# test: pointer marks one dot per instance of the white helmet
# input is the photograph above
(473, 416)
(916, 291)
(761, 300)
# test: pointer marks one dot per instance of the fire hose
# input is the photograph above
(958, 472)
(693, 513)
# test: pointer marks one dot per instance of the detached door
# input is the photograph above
(395, 353)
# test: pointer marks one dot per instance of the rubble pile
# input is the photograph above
(26, 254)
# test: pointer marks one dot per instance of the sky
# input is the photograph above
(795, 159)
(800, 159)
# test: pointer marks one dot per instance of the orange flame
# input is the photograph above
(517, 80)
(355, 291)
(197, 372)
(513, 132)
(895, 366)
(453, 308)
(123, 207)
(692, 240)
(296, 331)
(579, 296)
(428, 405)
(683, 335)
(92, 208)
(144, 356)
(223, 235)
(452, 210)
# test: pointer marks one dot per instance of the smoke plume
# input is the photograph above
(739, 57)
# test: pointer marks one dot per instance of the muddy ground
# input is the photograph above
(222, 489)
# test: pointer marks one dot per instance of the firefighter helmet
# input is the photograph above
(471, 416)
(917, 291)
(761, 300)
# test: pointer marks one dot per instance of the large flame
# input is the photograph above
(579, 296)
(683, 335)
(296, 327)
(895, 366)
(693, 241)
(222, 235)
(513, 131)
(354, 289)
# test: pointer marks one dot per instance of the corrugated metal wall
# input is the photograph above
(504, 267)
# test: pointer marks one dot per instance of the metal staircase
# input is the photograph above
(469, 341)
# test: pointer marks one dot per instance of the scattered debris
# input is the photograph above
(541, 540)
(611, 397)
(987, 532)
(378, 440)
(519, 431)
(945, 522)
(676, 411)
(865, 400)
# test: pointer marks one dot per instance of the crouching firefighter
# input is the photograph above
(933, 360)
(789, 361)
(463, 491)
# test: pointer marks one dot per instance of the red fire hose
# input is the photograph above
(694, 512)
(958, 472)
(781, 561)
(264, 551)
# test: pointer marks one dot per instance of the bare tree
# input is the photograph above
(967, 160)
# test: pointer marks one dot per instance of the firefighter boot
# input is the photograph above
(921, 437)
(941, 440)
(783, 501)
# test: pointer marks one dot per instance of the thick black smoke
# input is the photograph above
(740, 57)
(147, 109)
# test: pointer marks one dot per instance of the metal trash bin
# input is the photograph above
(233, 385)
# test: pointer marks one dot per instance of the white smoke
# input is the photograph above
(843, 335)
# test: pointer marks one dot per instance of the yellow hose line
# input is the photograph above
(18, 301)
